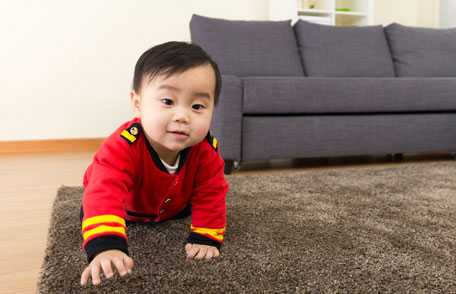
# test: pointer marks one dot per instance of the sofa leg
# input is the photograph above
(229, 166)
(398, 156)
(395, 156)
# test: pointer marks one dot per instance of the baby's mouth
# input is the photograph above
(180, 133)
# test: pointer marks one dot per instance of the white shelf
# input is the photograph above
(350, 13)
(324, 20)
(314, 12)
(360, 12)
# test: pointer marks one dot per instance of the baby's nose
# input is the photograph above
(181, 115)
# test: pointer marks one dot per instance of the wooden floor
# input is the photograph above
(28, 186)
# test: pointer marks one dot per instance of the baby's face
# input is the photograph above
(176, 111)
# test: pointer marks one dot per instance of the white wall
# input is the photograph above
(429, 13)
(447, 13)
(423, 13)
(280, 10)
(66, 66)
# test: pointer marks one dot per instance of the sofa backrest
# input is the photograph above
(275, 48)
(330, 51)
(248, 48)
(422, 52)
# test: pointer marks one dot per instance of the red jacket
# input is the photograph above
(127, 182)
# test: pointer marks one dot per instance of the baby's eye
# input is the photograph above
(198, 106)
(167, 101)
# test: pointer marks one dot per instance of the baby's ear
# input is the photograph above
(135, 101)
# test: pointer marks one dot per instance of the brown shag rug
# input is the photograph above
(370, 229)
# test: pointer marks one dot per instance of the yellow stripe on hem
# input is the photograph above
(104, 229)
(107, 218)
(215, 233)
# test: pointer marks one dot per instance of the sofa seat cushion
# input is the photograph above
(330, 51)
(269, 137)
(248, 48)
(422, 52)
(300, 95)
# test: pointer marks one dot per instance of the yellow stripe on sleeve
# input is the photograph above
(128, 136)
(104, 229)
(214, 233)
(106, 218)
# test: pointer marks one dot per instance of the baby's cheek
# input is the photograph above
(201, 130)
(153, 129)
(153, 122)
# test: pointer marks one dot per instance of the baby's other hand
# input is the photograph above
(198, 251)
(102, 261)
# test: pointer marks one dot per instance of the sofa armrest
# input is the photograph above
(227, 121)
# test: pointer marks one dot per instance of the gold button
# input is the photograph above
(167, 200)
(134, 131)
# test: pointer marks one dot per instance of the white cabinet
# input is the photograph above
(331, 12)
(425, 13)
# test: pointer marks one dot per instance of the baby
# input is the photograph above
(163, 164)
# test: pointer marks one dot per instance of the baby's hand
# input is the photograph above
(103, 261)
(198, 251)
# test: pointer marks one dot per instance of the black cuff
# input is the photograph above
(196, 238)
(104, 243)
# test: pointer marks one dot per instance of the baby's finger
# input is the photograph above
(202, 253)
(188, 247)
(192, 251)
(216, 252)
(96, 273)
(128, 261)
(120, 266)
(107, 269)
(85, 276)
(210, 253)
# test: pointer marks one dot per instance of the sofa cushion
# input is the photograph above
(422, 52)
(263, 95)
(268, 137)
(329, 51)
(248, 48)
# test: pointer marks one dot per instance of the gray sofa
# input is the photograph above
(311, 90)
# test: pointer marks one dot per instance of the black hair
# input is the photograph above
(170, 58)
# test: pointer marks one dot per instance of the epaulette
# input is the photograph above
(131, 133)
(212, 141)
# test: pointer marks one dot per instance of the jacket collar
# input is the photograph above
(156, 159)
